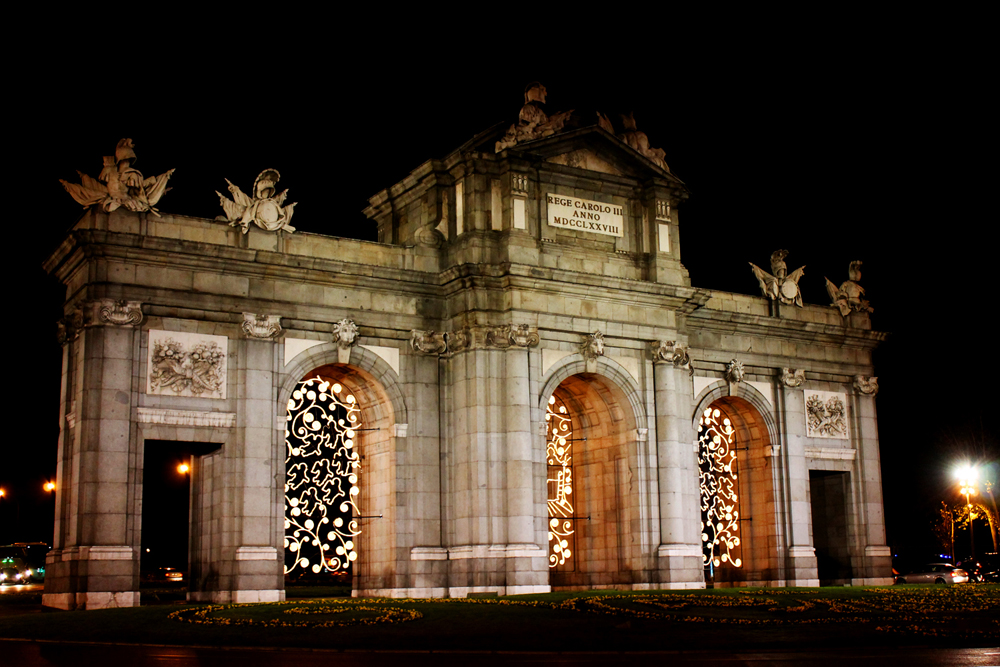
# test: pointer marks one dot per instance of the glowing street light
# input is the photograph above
(967, 487)
(183, 468)
(49, 486)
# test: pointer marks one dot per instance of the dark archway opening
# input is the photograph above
(167, 469)
(828, 494)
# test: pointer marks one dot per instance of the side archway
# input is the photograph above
(739, 499)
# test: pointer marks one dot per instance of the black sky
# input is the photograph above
(858, 143)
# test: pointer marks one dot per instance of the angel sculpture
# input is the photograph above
(782, 286)
(265, 209)
(847, 297)
(125, 185)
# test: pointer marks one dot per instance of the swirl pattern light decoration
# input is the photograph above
(559, 456)
(720, 514)
(322, 469)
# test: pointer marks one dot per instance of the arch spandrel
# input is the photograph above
(747, 393)
(608, 370)
(368, 366)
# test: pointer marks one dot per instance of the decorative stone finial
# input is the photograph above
(261, 326)
(866, 385)
(265, 209)
(532, 122)
(792, 379)
(428, 342)
(593, 346)
(345, 332)
(782, 286)
(734, 371)
(847, 297)
(119, 184)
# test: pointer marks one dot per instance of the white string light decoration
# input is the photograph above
(559, 456)
(322, 468)
(720, 514)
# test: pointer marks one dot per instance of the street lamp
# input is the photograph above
(183, 468)
(967, 487)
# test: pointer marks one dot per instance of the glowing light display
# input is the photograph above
(720, 514)
(559, 455)
(322, 468)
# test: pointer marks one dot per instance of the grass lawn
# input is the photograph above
(967, 615)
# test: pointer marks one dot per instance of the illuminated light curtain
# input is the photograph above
(559, 456)
(720, 514)
(322, 468)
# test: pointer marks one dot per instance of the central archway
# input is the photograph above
(360, 463)
(593, 495)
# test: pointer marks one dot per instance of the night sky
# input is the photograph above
(847, 147)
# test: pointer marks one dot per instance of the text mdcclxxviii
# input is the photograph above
(559, 457)
(322, 469)
(720, 516)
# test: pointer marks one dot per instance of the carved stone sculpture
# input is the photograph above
(640, 142)
(826, 415)
(593, 346)
(866, 385)
(345, 332)
(847, 297)
(524, 335)
(458, 340)
(428, 342)
(782, 286)
(261, 326)
(70, 326)
(673, 352)
(520, 335)
(533, 123)
(734, 371)
(119, 312)
(791, 378)
(119, 184)
(198, 370)
(265, 209)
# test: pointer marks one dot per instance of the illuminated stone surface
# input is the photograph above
(452, 333)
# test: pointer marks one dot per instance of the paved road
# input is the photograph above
(21, 588)
(46, 654)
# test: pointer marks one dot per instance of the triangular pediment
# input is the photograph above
(589, 159)
(595, 149)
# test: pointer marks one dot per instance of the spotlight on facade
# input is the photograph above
(50, 486)
(183, 468)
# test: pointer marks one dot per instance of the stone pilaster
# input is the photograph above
(800, 569)
(95, 559)
(679, 554)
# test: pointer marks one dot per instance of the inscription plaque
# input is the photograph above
(585, 215)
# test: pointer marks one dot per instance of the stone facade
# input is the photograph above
(475, 307)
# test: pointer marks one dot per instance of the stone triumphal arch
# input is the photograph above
(515, 390)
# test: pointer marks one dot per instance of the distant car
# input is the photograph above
(14, 571)
(934, 573)
(164, 575)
